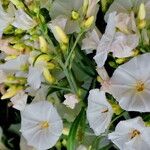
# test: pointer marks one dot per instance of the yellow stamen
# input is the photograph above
(44, 124)
(140, 87)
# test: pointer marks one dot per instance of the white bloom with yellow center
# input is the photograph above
(130, 84)
(41, 125)
(131, 135)
(99, 111)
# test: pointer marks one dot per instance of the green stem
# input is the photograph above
(74, 46)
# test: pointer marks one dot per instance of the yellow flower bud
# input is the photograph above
(43, 44)
(74, 15)
(48, 77)
(142, 12)
(43, 58)
(141, 24)
(87, 23)
(135, 52)
(63, 47)
(62, 36)
(12, 91)
(120, 60)
(99, 79)
(116, 108)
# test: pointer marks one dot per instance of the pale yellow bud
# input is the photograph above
(120, 60)
(142, 24)
(43, 58)
(12, 91)
(62, 36)
(43, 44)
(142, 12)
(48, 77)
(88, 23)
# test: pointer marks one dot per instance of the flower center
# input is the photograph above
(74, 15)
(135, 133)
(44, 124)
(140, 87)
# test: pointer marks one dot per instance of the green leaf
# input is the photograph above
(71, 142)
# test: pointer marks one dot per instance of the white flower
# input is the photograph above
(23, 21)
(3, 76)
(41, 125)
(106, 41)
(131, 135)
(19, 101)
(119, 43)
(123, 44)
(130, 84)
(70, 100)
(91, 41)
(99, 111)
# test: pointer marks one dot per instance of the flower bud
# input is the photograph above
(48, 77)
(88, 23)
(120, 60)
(142, 24)
(142, 12)
(12, 91)
(61, 34)
(43, 44)
(50, 65)
(43, 58)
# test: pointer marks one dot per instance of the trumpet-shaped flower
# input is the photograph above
(130, 84)
(41, 125)
(99, 111)
(131, 135)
